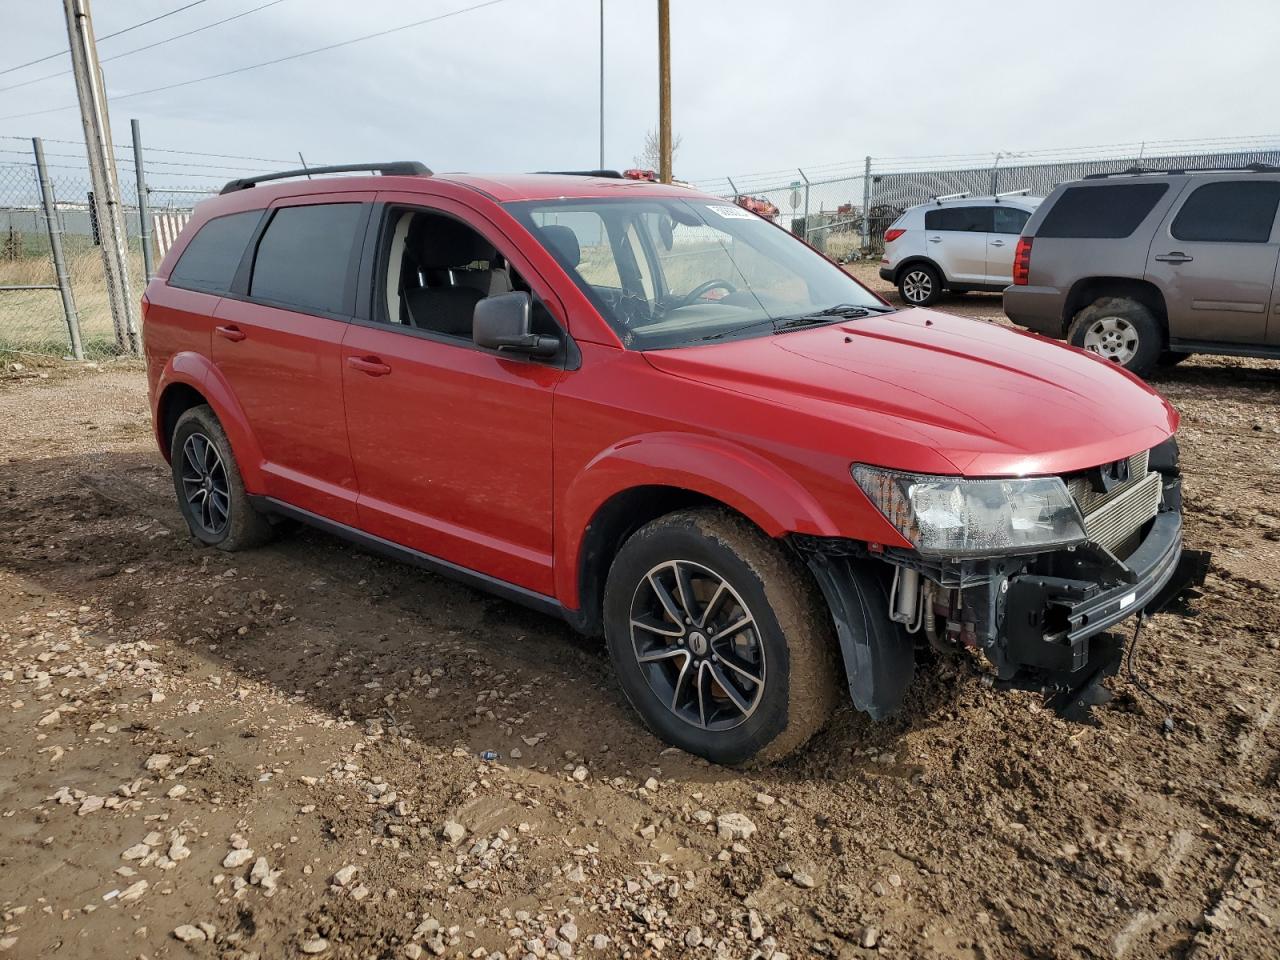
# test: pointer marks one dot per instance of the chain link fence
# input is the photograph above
(844, 209)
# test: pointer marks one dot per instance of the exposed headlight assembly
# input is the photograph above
(954, 517)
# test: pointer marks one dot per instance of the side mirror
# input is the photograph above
(502, 323)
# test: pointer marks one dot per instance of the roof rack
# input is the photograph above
(403, 168)
(950, 196)
(1137, 171)
(1011, 193)
(610, 174)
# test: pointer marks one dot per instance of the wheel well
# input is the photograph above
(1084, 292)
(616, 519)
(176, 400)
(913, 261)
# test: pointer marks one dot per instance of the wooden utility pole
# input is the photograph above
(664, 90)
(102, 171)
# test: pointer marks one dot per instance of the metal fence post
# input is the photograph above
(144, 207)
(55, 246)
(806, 204)
(866, 208)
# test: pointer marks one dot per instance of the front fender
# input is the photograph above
(724, 471)
(199, 373)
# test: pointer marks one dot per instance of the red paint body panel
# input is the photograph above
(499, 465)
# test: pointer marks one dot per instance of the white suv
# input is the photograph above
(957, 243)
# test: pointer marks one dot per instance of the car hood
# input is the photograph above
(990, 400)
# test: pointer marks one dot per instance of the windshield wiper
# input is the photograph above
(843, 311)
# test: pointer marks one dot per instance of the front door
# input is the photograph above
(1214, 258)
(278, 340)
(956, 239)
(452, 444)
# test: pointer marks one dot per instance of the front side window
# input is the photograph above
(667, 272)
(210, 261)
(1105, 212)
(1010, 220)
(304, 257)
(959, 219)
(1232, 211)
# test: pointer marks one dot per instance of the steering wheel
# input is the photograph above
(702, 289)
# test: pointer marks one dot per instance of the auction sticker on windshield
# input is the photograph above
(730, 212)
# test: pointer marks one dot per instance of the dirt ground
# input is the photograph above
(280, 753)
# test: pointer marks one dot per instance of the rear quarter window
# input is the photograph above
(210, 261)
(1230, 211)
(1104, 212)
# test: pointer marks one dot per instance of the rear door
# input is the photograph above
(956, 239)
(277, 340)
(1214, 257)
(1002, 241)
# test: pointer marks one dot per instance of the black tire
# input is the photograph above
(202, 460)
(1122, 330)
(920, 285)
(789, 643)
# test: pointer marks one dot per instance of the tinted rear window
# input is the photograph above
(961, 219)
(1107, 212)
(1232, 211)
(210, 261)
(304, 256)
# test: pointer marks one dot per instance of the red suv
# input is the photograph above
(662, 418)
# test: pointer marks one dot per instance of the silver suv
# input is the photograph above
(1148, 267)
(958, 243)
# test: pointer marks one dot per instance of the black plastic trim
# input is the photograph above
(1260, 350)
(387, 548)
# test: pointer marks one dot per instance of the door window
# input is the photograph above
(960, 219)
(210, 261)
(304, 258)
(1231, 211)
(1010, 220)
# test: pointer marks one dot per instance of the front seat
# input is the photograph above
(441, 248)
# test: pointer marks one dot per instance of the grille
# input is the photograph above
(1109, 518)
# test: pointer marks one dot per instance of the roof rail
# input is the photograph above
(1138, 171)
(404, 168)
(951, 196)
(1011, 193)
(610, 174)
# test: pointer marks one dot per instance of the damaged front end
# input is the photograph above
(1032, 580)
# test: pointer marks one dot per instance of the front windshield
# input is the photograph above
(668, 272)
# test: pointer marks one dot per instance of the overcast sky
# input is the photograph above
(757, 86)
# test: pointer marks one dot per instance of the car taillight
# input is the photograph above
(1022, 262)
(892, 235)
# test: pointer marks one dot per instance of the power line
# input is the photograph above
(268, 63)
(31, 63)
(149, 46)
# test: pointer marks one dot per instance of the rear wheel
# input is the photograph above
(720, 639)
(211, 494)
(1119, 329)
(920, 285)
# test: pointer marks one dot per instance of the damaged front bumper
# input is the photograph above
(1041, 619)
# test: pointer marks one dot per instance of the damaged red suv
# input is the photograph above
(662, 418)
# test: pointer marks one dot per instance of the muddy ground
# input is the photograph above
(278, 753)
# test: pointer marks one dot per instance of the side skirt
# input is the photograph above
(1265, 351)
(394, 551)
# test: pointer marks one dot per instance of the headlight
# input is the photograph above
(953, 517)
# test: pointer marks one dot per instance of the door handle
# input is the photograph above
(232, 333)
(1177, 256)
(997, 243)
(370, 365)
(935, 239)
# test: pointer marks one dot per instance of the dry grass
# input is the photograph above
(32, 321)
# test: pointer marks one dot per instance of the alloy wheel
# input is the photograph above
(204, 484)
(917, 286)
(1113, 338)
(698, 645)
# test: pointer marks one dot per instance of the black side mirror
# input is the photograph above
(503, 323)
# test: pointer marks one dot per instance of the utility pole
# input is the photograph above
(664, 90)
(102, 171)
(601, 84)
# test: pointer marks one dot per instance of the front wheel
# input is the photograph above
(720, 639)
(211, 494)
